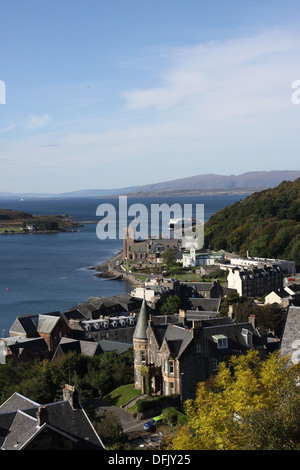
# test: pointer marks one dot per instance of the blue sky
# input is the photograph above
(115, 93)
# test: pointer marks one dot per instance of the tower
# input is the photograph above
(128, 241)
(140, 346)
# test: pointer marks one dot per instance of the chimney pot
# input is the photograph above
(70, 394)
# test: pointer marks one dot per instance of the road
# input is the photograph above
(129, 424)
(132, 427)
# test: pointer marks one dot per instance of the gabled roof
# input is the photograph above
(178, 338)
(19, 424)
(88, 348)
(44, 323)
(175, 336)
(17, 401)
(32, 346)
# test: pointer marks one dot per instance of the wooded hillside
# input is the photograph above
(266, 223)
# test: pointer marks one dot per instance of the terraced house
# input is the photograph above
(176, 356)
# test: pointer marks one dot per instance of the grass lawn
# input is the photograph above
(123, 394)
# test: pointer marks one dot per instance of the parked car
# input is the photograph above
(152, 423)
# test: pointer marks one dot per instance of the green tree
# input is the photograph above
(171, 305)
(169, 258)
(246, 391)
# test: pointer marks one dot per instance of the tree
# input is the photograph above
(169, 258)
(171, 305)
(109, 427)
(227, 414)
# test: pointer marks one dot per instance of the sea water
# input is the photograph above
(42, 273)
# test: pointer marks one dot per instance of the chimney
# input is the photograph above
(230, 311)
(182, 316)
(42, 415)
(71, 395)
(251, 319)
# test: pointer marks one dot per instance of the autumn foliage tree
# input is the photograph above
(252, 404)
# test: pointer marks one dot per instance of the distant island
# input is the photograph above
(12, 221)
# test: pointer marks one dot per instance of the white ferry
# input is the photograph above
(179, 223)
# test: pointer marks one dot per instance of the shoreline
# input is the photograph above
(109, 270)
(37, 232)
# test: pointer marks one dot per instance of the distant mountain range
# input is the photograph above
(193, 185)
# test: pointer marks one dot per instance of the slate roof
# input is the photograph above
(33, 346)
(290, 341)
(19, 424)
(212, 304)
(140, 331)
(236, 340)
(98, 305)
(29, 324)
(200, 286)
(178, 336)
(118, 346)
(88, 348)
(201, 314)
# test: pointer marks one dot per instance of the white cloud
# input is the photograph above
(233, 77)
(35, 122)
(8, 128)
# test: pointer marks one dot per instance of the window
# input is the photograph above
(215, 364)
(221, 340)
(143, 356)
(248, 337)
(171, 367)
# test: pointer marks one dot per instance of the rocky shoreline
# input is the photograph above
(110, 270)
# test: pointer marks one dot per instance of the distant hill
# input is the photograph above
(245, 183)
(266, 223)
(254, 179)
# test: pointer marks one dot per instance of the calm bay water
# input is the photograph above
(47, 272)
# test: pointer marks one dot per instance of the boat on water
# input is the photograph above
(181, 222)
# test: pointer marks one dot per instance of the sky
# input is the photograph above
(116, 93)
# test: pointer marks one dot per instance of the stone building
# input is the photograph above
(149, 250)
(61, 425)
(175, 356)
(49, 326)
(255, 281)
(290, 341)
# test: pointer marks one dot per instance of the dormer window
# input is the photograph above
(248, 336)
(221, 340)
